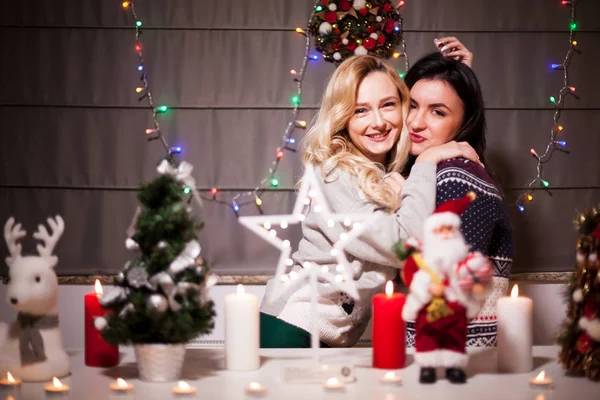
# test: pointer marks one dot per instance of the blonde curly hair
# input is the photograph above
(327, 143)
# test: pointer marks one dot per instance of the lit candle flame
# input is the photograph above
(390, 375)
(98, 287)
(240, 289)
(183, 385)
(514, 293)
(121, 383)
(10, 377)
(56, 382)
(541, 376)
(333, 381)
(254, 385)
(389, 288)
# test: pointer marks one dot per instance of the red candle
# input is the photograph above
(98, 353)
(389, 345)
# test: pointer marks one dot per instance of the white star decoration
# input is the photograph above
(310, 191)
(342, 278)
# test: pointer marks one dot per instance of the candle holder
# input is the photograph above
(334, 384)
(541, 381)
(10, 381)
(391, 378)
(256, 389)
(183, 388)
(56, 386)
(121, 385)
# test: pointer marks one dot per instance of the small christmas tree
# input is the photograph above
(580, 333)
(161, 295)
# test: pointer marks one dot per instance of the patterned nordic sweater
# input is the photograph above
(486, 227)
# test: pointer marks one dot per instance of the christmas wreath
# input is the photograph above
(343, 28)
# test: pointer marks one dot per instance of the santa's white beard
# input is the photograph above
(444, 254)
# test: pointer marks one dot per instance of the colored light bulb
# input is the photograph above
(296, 99)
(572, 89)
(293, 72)
(280, 154)
(213, 191)
(274, 182)
(236, 208)
(402, 75)
(149, 131)
(301, 123)
(560, 128)
(545, 183)
(138, 48)
(125, 4)
(138, 89)
(521, 208)
(138, 23)
(573, 25)
(397, 28)
(258, 201)
(533, 152)
(140, 67)
(291, 140)
(318, 9)
(555, 66)
(299, 30)
(162, 109)
(562, 143)
(176, 150)
(553, 99)
(401, 3)
(314, 57)
(187, 190)
(574, 42)
(396, 55)
(529, 197)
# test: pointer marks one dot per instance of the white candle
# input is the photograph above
(242, 339)
(515, 333)
(334, 384)
(541, 381)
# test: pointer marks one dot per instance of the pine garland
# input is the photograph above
(151, 302)
(580, 351)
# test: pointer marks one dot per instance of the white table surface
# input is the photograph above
(204, 369)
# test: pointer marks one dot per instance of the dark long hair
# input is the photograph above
(435, 66)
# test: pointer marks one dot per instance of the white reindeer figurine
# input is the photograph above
(31, 347)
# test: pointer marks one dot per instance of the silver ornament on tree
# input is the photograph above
(157, 302)
(113, 296)
(137, 277)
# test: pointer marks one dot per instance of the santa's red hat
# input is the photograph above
(449, 212)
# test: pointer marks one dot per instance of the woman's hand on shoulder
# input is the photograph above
(453, 48)
(447, 151)
(395, 181)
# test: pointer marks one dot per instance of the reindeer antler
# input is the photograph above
(58, 226)
(12, 233)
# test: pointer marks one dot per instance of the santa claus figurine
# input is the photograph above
(447, 287)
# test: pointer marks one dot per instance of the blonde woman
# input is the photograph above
(357, 141)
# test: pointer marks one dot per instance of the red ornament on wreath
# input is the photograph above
(369, 43)
(355, 21)
(344, 5)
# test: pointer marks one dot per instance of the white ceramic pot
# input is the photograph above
(159, 362)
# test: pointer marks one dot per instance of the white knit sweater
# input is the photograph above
(370, 255)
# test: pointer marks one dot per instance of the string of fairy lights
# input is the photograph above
(555, 143)
(288, 142)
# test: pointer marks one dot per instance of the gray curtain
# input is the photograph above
(72, 131)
